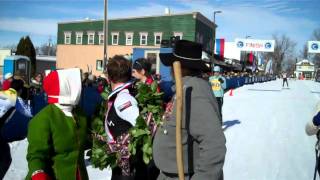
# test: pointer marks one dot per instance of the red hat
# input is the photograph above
(63, 86)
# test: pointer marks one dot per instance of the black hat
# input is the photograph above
(188, 53)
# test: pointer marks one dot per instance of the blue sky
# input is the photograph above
(256, 18)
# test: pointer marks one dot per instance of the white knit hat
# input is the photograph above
(8, 75)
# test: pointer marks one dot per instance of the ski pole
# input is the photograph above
(179, 99)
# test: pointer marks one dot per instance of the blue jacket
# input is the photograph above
(16, 127)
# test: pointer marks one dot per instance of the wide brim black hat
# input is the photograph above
(188, 53)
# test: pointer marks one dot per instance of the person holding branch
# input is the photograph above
(203, 141)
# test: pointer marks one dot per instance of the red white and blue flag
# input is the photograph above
(220, 47)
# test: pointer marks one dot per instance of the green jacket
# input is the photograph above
(56, 144)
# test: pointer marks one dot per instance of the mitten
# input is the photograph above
(40, 175)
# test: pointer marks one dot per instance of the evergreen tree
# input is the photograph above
(26, 48)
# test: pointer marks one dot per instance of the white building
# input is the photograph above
(305, 68)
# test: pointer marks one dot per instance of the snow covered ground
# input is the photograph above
(264, 130)
(267, 140)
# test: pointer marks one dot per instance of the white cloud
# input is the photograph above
(32, 26)
(149, 9)
(237, 20)
(256, 21)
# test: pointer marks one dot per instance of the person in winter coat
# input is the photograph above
(15, 115)
(122, 113)
(7, 81)
(218, 85)
(58, 133)
(141, 70)
(203, 141)
(312, 128)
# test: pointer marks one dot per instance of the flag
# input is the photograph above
(220, 47)
(260, 60)
(251, 58)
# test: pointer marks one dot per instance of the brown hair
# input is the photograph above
(142, 63)
(119, 69)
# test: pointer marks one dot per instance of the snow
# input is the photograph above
(269, 141)
(264, 128)
(19, 166)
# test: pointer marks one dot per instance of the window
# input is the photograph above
(143, 38)
(178, 34)
(78, 37)
(101, 38)
(201, 39)
(67, 38)
(157, 38)
(99, 65)
(115, 38)
(90, 37)
(153, 58)
(129, 37)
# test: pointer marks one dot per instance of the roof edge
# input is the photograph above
(140, 17)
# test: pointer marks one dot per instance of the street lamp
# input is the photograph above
(214, 37)
(105, 33)
(214, 15)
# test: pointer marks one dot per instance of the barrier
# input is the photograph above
(235, 82)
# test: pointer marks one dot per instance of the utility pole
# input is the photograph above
(105, 34)
(214, 37)
(49, 46)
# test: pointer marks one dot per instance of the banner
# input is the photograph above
(269, 67)
(220, 47)
(255, 45)
(313, 46)
(260, 60)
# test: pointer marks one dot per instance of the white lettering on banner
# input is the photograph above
(313, 46)
(255, 45)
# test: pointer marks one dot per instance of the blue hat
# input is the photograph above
(216, 69)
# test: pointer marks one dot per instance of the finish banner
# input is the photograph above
(255, 45)
(313, 46)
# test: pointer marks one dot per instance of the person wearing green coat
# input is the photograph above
(58, 133)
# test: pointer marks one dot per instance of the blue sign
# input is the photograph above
(240, 44)
(268, 45)
(314, 46)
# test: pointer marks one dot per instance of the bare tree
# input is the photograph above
(46, 49)
(283, 53)
(13, 47)
(304, 52)
(291, 65)
(316, 57)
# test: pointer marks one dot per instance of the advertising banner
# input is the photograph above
(255, 45)
(314, 46)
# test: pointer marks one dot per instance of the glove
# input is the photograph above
(40, 176)
(221, 80)
(316, 119)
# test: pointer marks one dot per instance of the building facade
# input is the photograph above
(44, 63)
(80, 43)
(3, 53)
(305, 69)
